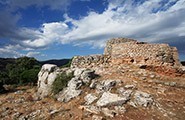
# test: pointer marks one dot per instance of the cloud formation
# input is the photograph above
(150, 21)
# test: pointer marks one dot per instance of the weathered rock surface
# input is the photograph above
(106, 85)
(119, 109)
(143, 99)
(46, 77)
(73, 87)
(74, 84)
(67, 94)
(91, 109)
(71, 91)
(96, 117)
(125, 93)
(108, 112)
(93, 84)
(108, 99)
(86, 75)
(90, 98)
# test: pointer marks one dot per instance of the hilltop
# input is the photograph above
(131, 80)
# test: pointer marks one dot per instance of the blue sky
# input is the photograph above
(56, 29)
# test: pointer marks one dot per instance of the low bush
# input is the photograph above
(29, 76)
(61, 82)
(1, 87)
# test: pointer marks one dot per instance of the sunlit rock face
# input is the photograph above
(46, 77)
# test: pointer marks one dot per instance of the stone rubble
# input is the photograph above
(108, 112)
(119, 109)
(106, 85)
(91, 108)
(96, 117)
(143, 99)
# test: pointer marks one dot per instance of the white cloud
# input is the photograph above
(34, 54)
(148, 21)
(7, 53)
(14, 51)
(145, 21)
(46, 35)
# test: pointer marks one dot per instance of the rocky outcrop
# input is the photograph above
(106, 94)
(46, 77)
(110, 96)
(71, 91)
(49, 73)
(108, 99)
(81, 77)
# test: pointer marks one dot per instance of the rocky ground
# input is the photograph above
(128, 93)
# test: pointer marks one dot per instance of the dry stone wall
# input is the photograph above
(110, 43)
(89, 61)
(123, 50)
(144, 53)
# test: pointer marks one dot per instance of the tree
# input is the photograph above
(18, 73)
(29, 76)
(25, 63)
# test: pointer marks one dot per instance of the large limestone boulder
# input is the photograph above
(111, 99)
(46, 77)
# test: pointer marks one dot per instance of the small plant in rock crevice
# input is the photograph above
(61, 82)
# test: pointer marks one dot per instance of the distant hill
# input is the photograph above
(59, 62)
(5, 61)
(183, 63)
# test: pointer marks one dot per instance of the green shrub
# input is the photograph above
(23, 71)
(1, 87)
(29, 76)
(4, 78)
(61, 82)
